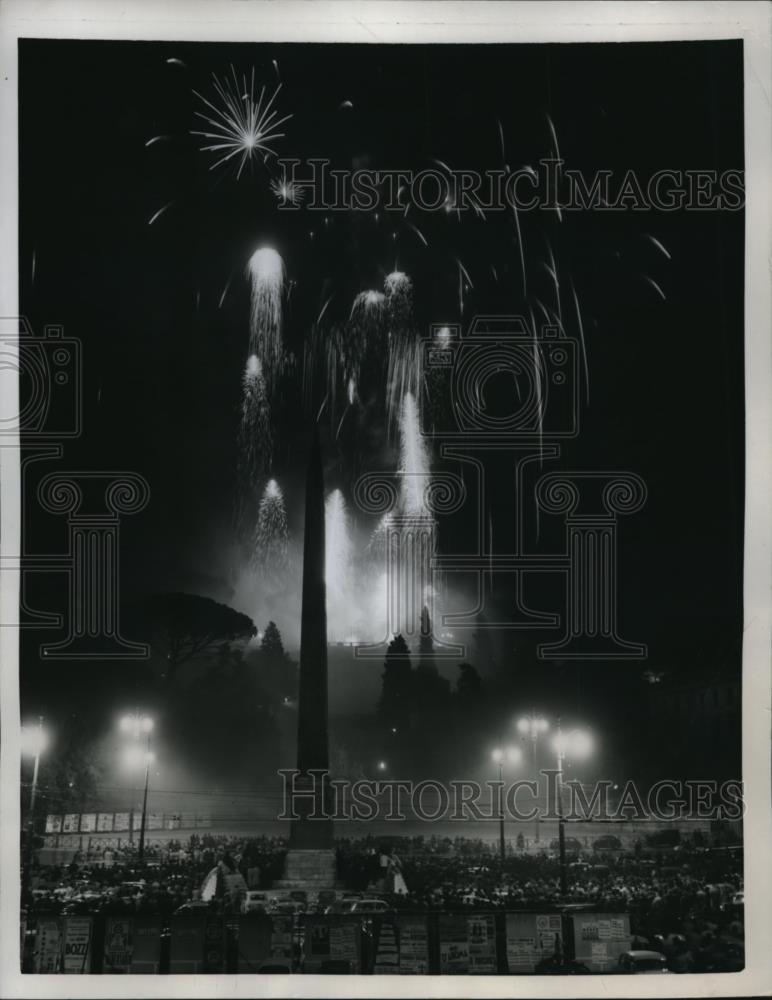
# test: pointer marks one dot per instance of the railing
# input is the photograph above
(503, 942)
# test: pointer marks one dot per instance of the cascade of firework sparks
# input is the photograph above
(349, 351)
(266, 274)
(339, 552)
(255, 442)
(365, 332)
(404, 365)
(413, 460)
(271, 549)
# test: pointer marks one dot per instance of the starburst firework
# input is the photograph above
(240, 126)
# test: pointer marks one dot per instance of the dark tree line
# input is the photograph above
(418, 704)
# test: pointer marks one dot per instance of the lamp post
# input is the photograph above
(33, 742)
(578, 744)
(149, 758)
(136, 725)
(499, 755)
(530, 727)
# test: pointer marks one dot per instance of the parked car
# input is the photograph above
(642, 963)
(254, 902)
(369, 906)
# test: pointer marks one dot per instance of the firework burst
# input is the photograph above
(286, 191)
(266, 273)
(271, 550)
(240, 126)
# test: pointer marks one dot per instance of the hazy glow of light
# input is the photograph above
(413, 458)
(577, 744)
(34, 741)
(134, 757)
(338, 566)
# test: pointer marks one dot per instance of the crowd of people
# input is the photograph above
(686, 902)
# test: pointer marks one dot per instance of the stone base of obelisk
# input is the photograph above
(310, 870)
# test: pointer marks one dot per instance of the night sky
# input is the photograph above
(163, 359)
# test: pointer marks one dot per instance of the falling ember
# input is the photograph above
(580, 326)
(351, 391)
(266, 273)
(159, 213)
(658, 245)
(241, 126)
(224, 292)
(272, 536)
(654, 285)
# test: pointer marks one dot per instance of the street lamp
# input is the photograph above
(34, 741)
(531, 727)
(136, 725)
(512, 755)
(576, 743)
(136, 757)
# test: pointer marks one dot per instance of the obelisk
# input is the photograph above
(311, 858)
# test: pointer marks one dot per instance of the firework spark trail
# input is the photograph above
(339, 551)
(553, 270)
(520, 249)
(658, 245)
(266, 273)
(159, 213)
(157, 138)
(323, 310)
(225, 292)
(539, 407)
(271, 549)
(654, 285)
(417, 231)
(242, 126)
(580, 326)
